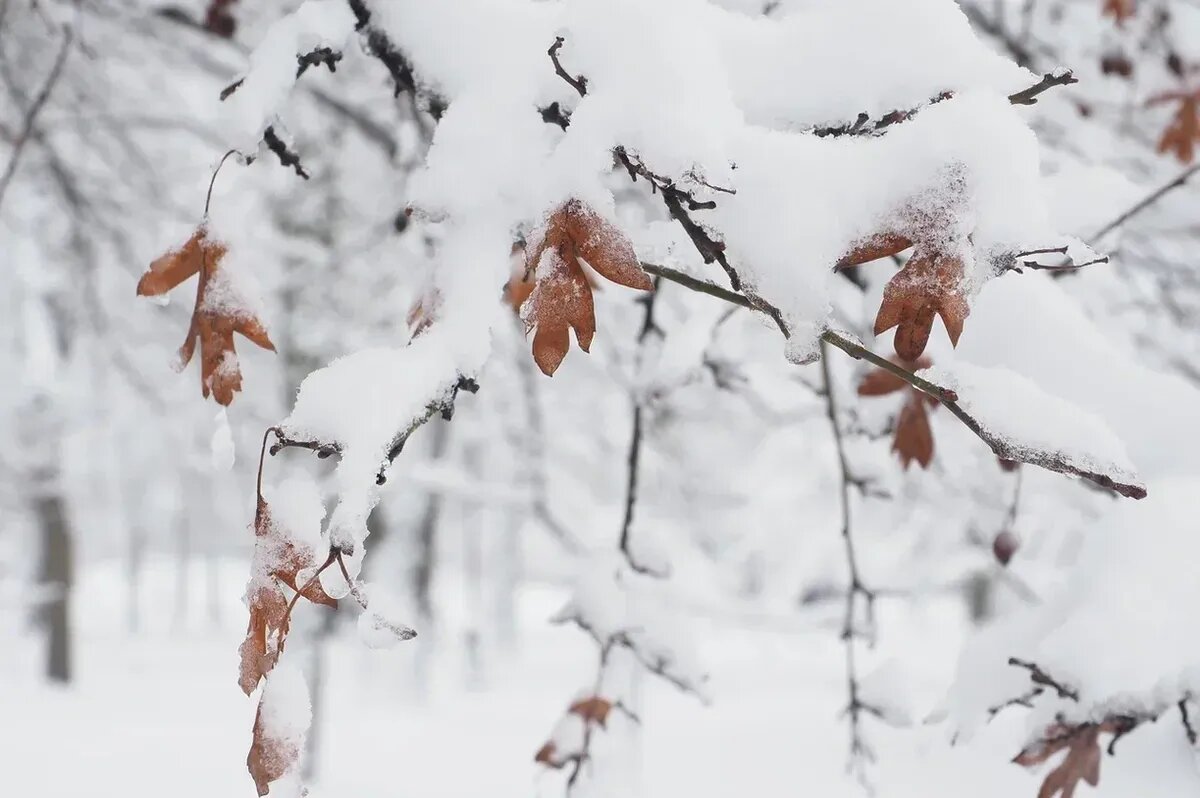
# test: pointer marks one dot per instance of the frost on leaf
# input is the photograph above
(561, 298)
(278, 561)
(933, 281)
(214, 318)
(1082, 760)
(930, 283)
(1182, 133)
(912, 438)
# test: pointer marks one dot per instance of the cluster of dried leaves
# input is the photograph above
(278, 562)
(931, 282)
(1182, 133)
(557, 290)
(912, 438)
(213, 322)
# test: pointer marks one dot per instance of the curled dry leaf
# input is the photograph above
(1082, 760)
(270, 757)
(931, 282)
(912, 438)
(267, 630)
(1182, 133)
(213, 322)
(561, 298)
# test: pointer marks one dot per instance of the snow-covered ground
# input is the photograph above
(159, 712)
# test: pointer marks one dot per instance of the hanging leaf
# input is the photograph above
(214, 318)
(1182, 133)
(930, 283)
(912, 438)
(1082, 760)
(561, 298)
(278, 562)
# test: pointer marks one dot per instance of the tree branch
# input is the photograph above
(633, 458)
(860, 752)
(1006, 450)
(1059, 77)
(39, 102)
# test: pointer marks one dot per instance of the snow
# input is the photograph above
(271, 72)
(222, 449)
(379, 624)
(1014, 409)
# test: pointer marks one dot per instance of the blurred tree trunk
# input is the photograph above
(57, 577)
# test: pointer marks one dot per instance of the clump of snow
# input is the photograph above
(1017, 411)
(271, 72)
(221, 448)
(379, 624)
(612, 602)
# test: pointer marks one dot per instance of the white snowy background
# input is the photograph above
(495, 530)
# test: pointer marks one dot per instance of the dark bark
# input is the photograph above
(57, 576)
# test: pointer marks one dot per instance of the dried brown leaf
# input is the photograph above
(913, 438)
(213, 324)
(879, 381)
(930, 283)
(270, 758)
(177, 265)
(561, 297)
(266, 630)
(1081, 762)
(593, 709)
(880, 245)
(1182, 133)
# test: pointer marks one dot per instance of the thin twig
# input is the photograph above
(635, 447)
(579, 84)
(1062, 77)
(1040, 677)
(855, 707)
(35, 109)
(1147, 201)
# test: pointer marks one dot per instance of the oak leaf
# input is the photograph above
(214, 319)
(561, 299)
(1182, 133)
(912, 437)
(270, 757)
(1082, 760)
(930, 283)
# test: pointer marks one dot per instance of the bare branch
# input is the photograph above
(31, 115)
(579, 84)
(1059, 77)
(1040, 677)
(855, 707)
